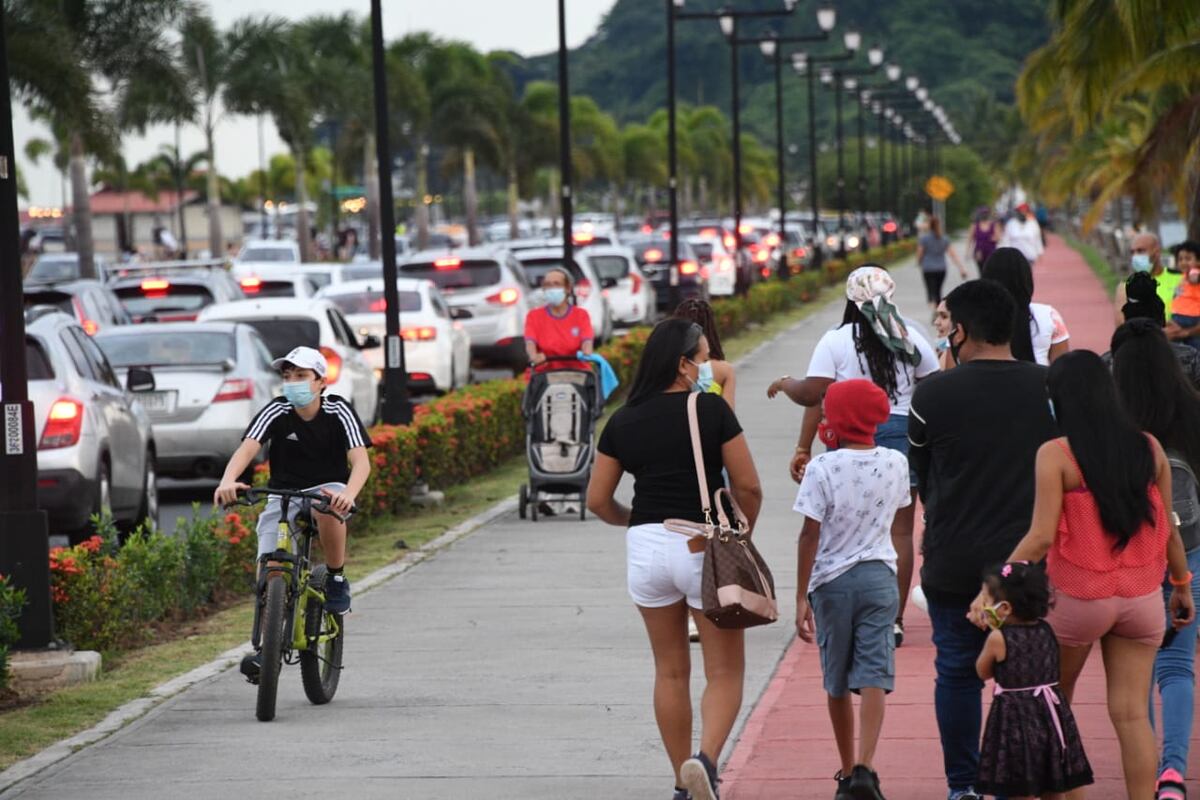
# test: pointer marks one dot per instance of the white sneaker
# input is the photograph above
(693, 631)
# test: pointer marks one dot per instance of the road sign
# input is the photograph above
(939, 188)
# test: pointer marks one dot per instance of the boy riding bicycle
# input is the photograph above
(316, 443)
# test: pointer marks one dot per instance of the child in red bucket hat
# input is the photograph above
(846, 575)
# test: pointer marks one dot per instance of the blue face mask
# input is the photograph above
(298, 393)
(704, 377)
(1140, 262)
(556, 296)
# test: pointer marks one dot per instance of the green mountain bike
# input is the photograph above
(290, 621)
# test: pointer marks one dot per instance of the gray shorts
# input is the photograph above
(854, 614)
(268, 520)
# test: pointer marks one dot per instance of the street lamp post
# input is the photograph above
(564, 136)
(672, 151)
(24, 537)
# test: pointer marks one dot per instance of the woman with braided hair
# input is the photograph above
(873, 342)
(720, 378)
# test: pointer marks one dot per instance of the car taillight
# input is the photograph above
(155, 287)
(726, 264)
(63, 424)
(378, 306)
(766, 272)
(761, 255)
(730, 241)
(799, 252)
(889, 227)
(235, 389)
(420, 376)
(251, 285)
(689, 268)
(771, 239)
(583, 290)
(504, 297)
(635, 282)
(333, 364)
(647, 229)
(425, 333)
(447, 263)
(653, 255)
(90, 327)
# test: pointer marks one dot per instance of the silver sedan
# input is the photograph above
(210, 380)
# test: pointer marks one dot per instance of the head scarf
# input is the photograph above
(871, 289)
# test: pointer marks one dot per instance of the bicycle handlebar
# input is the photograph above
(320, 501)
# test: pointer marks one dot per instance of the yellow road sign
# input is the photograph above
(939, 188)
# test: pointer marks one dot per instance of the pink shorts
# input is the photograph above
(1078, 623)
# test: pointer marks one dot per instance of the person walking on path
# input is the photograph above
(875, 343)
(1146, 256)
(560, 328)
(1024, 233)
(1161, 401)
(1185, 306)
(1039, 333)
(1100, 520)
(720, 379)
(1031, 744)
(932, 249)
(1143, 304)
(846, 570)
(985, 236)
(649, 438)
(977, 506)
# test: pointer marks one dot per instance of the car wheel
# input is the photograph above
(102, 500)
(148, 512)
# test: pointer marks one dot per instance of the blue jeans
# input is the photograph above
(958, 692)
(1185, 321)
(1176, 680)
(893, 434)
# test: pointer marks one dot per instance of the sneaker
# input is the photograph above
(693, 631)
(898, 632)
(337, 594)
(843, 787)
(546, 510)
(681, 794)
(864, 784)
(252, 667)
(965, 794)
(1170, 786)
(699, 776)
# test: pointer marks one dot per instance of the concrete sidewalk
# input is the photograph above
(511, 665)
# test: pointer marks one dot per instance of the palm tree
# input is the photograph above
(412, 110)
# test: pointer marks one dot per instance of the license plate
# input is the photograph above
(158, 402)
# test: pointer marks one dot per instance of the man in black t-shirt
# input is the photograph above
(316, 442)
(975, 431)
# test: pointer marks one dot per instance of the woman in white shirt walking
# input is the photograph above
(1039, 333)
(873, 342)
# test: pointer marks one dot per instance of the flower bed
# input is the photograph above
(108, 599)
(12, 600)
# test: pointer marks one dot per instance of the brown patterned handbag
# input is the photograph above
(737, 589)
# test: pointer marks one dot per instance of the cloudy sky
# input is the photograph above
(526, 26)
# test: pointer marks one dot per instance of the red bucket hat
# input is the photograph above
(854, 409)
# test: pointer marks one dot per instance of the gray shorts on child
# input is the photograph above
(854, 614)
(268, 520)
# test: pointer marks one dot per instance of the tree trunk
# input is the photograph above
(616, 207)
(470, 196)
(1193, 214)
(216, 240)
(371, 189)
(422, 191)
(703, 190)
(303, 234)
(81, 213)
(514, 203)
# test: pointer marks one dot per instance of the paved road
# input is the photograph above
(512, 665)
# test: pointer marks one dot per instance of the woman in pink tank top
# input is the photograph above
(1101, 521)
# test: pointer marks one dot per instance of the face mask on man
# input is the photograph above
(1140, 262)
(298, 393)
(556, 296)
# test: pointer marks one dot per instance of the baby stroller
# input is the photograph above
(560, 408)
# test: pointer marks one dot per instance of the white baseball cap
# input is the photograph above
(304, 358)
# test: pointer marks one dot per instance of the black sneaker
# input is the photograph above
(252, 667)
(843, 790)
(699, 776)
(864, 784)
(337, 594)
(681, 794)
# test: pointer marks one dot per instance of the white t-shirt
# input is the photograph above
(854, 494)
(1025, 235)
(1046, 328)
(835, 357)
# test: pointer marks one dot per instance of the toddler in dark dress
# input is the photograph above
(1031, 745)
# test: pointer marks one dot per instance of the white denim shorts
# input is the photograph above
(661, 570)
(268, 520)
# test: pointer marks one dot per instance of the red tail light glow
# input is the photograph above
(377, 306)
(635, 282)
(504, 297)
(689, 268)
(771, 240)
(420, 376)
(725, 264)
(152, 285)
(761, 255)
(333, 363)
(425, 333)
(708, 233)
(647, 229)
(799, 252)
(251, 285)
(730, 241)
(745, 228)
(583, 238)
(63, 424)
(447, 263)
(90, 327)
(889, 227)
(766, 272)
(235, 389)
(653, 255)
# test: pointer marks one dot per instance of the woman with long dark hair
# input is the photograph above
(873, 342)
(723, 379)
(649, 438)
(1039, 333)
(1162, 402)
(1100, 519)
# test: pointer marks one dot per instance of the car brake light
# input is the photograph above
(653, 255)
(504, 297)
(583, 238)
(251, 285)
(63, 424)
(689, 268)
(333, 363)
(425, 333)
(90, 327)
(155, 285)
(708, 233)
(447, 263)
(420, 376)
(889, 227)
(583, 290)
(726, 264)
(635, 282)
(235, 389)
(771, 240)
(378, 306)
(730, 241)
(647, 229)
(745, 227)
(761, 255)
(799, 252)
(766, 272)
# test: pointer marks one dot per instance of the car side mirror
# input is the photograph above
(369, 342)
(608, 283)
(459, 313)
(139, 379)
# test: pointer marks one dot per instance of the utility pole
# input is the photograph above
(564, 135)
(672, 152)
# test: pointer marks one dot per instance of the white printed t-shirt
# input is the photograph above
(836, 358)
(854, 494)
(1046, 328)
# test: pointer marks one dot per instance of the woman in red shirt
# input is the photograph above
(1101, 521)
(559, 328)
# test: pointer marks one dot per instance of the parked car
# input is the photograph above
(278, 285)
(488, 291)
(716, 263)
(588, 294)
(630, 294)
(653, 256)
(92, 304)
(268, 251)
(56, 267)
(96, 450)
(210, 379)
(175, 295)
(285, 323)
(437, 349)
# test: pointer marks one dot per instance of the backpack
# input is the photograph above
(1185, 494)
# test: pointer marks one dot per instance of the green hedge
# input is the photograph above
(12, 600)
(109, 599)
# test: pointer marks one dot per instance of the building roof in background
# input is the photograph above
(110, 201)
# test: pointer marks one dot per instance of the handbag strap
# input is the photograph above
(702, 477)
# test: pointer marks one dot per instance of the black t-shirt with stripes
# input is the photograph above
(309, 453)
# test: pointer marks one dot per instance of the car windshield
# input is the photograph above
(142, 302)
(36, 363)
(614, 267)
(282, 255)
(538, 268)
(54, 269)
(168, 349)
(371, 302)
(450, 274)
(281, 335)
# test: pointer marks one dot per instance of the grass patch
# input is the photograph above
(1097, 262)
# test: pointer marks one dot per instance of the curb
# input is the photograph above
(139, 707)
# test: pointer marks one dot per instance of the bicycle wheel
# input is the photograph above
(321, 665)
(272, 648)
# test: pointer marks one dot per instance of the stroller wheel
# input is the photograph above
(582, 509)
(523, 501)
(533, 509)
